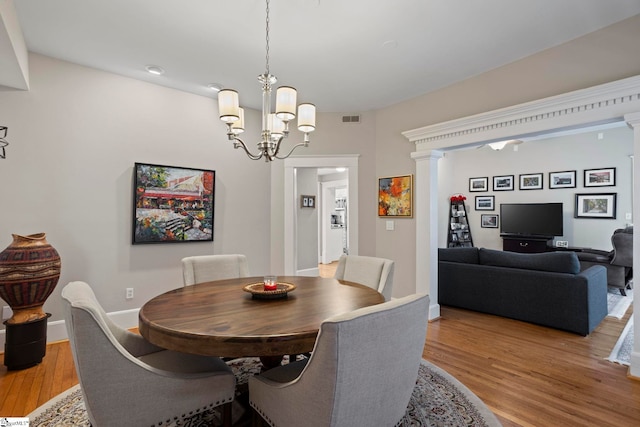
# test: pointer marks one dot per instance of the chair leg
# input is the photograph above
(623, 292)
(227, 418)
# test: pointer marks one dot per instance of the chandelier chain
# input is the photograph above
(267, 39)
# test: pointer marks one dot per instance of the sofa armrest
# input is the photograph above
(594, 274)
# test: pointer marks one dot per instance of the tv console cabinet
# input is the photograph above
(525, 244)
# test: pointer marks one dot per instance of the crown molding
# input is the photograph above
(606, 103)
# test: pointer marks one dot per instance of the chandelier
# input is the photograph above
(275, 125)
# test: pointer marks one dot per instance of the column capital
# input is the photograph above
(427, 155)
(632, 119)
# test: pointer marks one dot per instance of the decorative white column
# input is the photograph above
(426, 214)
(633, 120)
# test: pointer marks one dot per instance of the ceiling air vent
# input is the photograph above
(350, 119)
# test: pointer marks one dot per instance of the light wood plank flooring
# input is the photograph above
(528, 375)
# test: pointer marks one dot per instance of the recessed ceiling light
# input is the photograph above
(217, 87)
(154, 69)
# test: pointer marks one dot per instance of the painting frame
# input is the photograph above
(503, 183)
(602, 177)
(531, 181)
(172, 204)
(562, 179)
(595, 205)
(489, 220)
(395, 196)
(307, 201)
(485, 203)
(478, 184)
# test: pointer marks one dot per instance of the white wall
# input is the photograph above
(74, 138)
(571, 152)
(307, 220)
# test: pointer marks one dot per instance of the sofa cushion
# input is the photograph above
(557, 262)
(465, 255)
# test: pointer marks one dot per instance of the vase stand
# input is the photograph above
(25, 344)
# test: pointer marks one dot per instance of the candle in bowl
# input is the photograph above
(270, 283)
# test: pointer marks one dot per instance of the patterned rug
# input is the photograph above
(617, 304)
(621, 352)
(437, 400)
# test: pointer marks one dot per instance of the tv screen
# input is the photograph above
(531, 219)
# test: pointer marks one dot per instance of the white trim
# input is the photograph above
(309, 272)
(349, 161)
(596, 105)
(57, 331)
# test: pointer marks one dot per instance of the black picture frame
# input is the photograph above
(172, 204)
(479, 184)
(503, 183)
(562, 179)
(485, 203)
(489, 220)
(595, 205)
(531, 181)
(603, 177)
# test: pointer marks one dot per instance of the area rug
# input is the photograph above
(617, 304)
(621, 352)
(438, 399)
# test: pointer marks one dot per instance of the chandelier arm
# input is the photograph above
(302, 144)
(238, 143)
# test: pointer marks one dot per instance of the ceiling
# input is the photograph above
(344, 56)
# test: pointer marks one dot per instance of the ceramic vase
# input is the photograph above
(29, 271)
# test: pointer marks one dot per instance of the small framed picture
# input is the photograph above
(489, 221)
(596, 206)
(485, 203)
(307, 201)
(564, 179)
(600, 177)
(503, 183)
(479, 184)
(531, 181)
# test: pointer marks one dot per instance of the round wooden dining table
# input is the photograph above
(221, 319)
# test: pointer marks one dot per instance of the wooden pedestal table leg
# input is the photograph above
(269, 362)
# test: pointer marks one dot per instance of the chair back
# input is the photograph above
(622, 241)
(205, 268)
(363, 368)
(377, 273)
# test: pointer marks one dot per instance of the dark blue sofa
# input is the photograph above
(543, 288)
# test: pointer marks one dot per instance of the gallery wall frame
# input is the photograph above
(172, 204)
(395, 196)
(595, 205)
(562, 179)
(307, 201)
(485, 203)
(479, 184)
(531, 181)
(503, 183)
(489, 221)
(603, 177)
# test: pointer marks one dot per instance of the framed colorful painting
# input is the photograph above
(395, 196)
(172, 204)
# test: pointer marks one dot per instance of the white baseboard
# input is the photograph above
(57, 331)
(309, 272)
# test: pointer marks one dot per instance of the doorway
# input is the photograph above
(350, 162)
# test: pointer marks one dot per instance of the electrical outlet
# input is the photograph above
(562, 243)
(129, 294)
(6, 312)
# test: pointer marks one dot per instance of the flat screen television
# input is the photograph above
(531, 219)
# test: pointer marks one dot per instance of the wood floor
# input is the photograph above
(528, 375)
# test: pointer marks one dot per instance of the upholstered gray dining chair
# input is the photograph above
(361, 372)
(377, 273)
(126, 380)
(205, 268)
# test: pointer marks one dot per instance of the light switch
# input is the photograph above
(390, 226)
